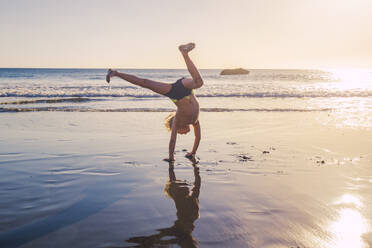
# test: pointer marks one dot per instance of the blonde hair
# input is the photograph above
(166, 190)
(169, 121)
(175, 189)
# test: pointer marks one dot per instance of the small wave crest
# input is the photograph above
(53, 100)
(289, 95)
(70, 109)
(98, 87)
(79, 95)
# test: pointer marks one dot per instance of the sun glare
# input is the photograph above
(351, 78)
(349, 199)
(351, 103)
(350, 226)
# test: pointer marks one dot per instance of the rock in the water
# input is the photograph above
(237, 71)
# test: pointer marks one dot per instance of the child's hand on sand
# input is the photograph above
(190, 155)
(169, 160)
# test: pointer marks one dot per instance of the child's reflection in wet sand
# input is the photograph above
(187, 206)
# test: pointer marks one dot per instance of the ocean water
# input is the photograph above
(345, 93)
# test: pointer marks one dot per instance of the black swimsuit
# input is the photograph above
(178, 91)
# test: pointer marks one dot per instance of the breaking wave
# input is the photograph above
(72, 109)
(52, 100)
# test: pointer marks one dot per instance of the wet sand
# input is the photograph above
(262, 180)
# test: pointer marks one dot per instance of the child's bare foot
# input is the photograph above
(109, 75)
(187, 47)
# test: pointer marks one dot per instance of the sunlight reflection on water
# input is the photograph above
(352, 78)
(350, 225)
(354, 111)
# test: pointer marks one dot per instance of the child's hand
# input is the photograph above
(189, 155)
(168, 160)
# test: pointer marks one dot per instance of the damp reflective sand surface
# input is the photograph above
(261, 179)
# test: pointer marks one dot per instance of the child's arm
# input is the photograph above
(172, 141)
(197, 133)
(197, 183)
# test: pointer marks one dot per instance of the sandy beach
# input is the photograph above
(263, 180)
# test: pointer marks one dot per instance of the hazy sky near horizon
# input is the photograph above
(146, 33)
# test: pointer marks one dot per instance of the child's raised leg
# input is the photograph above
(197, 80)
(158, 87)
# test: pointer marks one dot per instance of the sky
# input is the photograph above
(146, 33)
